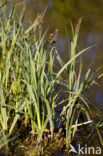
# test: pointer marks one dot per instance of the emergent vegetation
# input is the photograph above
(30, 87)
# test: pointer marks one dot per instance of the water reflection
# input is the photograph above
(58, 15)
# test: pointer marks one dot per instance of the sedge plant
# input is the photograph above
(29, 85)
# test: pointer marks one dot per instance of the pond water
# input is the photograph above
(58, 16)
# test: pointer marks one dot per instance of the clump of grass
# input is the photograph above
(76, 89)
(29, 86)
